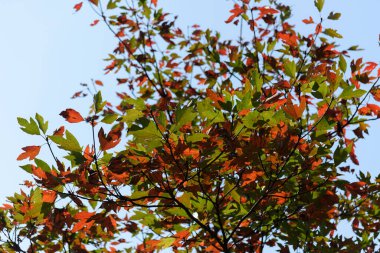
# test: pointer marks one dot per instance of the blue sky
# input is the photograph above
(46, 51)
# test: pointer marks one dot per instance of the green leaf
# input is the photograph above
(27, 168)
(290, 68)
(69, 144)
(319, 4)
(41, 123)
(110, 118)
(334, 15)
(342, 63)
(112, 5)
(132, 115)
(28, 127)
(98, 102)
(196, 137)
(349, 92)
(332, 33)
(340, 155)
(183, 116)
(166, 242)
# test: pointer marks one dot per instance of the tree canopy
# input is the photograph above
(213, 145)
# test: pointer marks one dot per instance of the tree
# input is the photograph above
(214, 145)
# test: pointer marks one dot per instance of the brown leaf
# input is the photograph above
(111, 140)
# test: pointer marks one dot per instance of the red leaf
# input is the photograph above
(78, 6)
(72, 116)
(95, 22)
(154, 2)
(236, 11)
(111, 140)
(30, 151)
(98, 82)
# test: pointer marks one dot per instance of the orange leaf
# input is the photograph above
(49, 196)
(111, 140)
(98, 82)
(83, 215)
(78, 6)
(308, 21)
(251, 177)
(59, 131)
(289, 39)
(191, 152)
(318, 29)
(78, 226)
(30, 151)
(154, 2)
(72, 116)
(322, 110)
(38, 172)
(281, 197)
(6, 207)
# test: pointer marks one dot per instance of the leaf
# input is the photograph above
(78, 6)
(290, 68)
(98, 82)
(332, 33)
(29, 127)
(342, 63)
(98, 102)
(49, 196)
(41, 123)
(349, 92)
(111, 5)
(111, 140)
(69, 143)
(72, 116)
(236, 11)
(308, 21)
(94, 23)
(154, 2)
(30, 151)
(334, 15)
(94, 2)
(319, 4)
(60, 131)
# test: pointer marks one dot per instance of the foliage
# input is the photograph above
(214, 145)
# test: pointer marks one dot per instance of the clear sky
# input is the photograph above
(46, 51)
